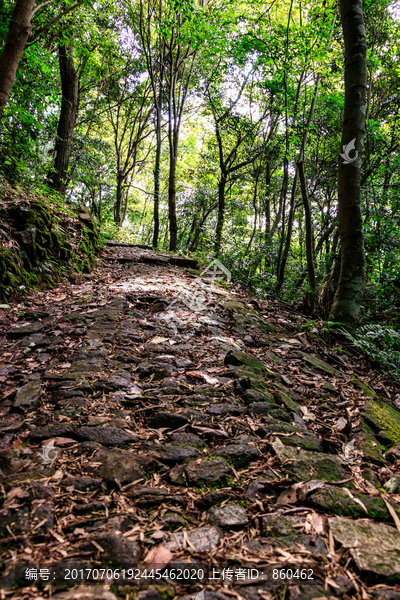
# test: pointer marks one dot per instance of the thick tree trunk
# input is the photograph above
(346, 306)
(221, 214)
(66, 123)
(18, 33)
(173, 227)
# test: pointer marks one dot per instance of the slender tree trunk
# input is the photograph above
(173, 227)
(310, 294)
(346, 306)
(66, 122)
(157, 180)
(281, 273)
(119, 199)
(19, 31)
(267, 205)
(255, 213)
(221, 214)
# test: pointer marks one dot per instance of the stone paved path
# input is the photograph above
(153, 416)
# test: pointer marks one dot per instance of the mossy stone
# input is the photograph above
(336, 500)
(382, 417)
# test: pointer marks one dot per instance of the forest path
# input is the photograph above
(152, 415)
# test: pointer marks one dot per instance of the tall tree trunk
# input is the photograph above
(173, 227)
(19, 31)
(346, 306)
(253, 233)
(281, 273)
(310, 294)
(119, 199)
(267, 204)
(157, 179)
(221, 214)
(66, 122)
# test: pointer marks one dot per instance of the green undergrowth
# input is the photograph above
(42, 239)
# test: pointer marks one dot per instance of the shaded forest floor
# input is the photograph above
(153, 416)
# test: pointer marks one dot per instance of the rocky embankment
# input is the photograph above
(41, 241)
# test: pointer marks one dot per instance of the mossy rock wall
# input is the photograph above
(41, 240)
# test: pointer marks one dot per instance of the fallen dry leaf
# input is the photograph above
(159, 556)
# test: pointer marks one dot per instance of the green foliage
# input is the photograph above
(380, 344)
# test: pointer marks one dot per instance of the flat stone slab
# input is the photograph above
(225, 409)
(203, 539)
(228, 516)
(49, 431)
(28, 395)
(302, 465)
(106, 436)
(375, 547)
(26, 329)
(258, 396)
(321, 365)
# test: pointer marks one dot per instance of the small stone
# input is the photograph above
(237, 358)
(107, 436)
(264, 408)
(28, 395)
(181, 363)
(169, 420)
(61, 394)
(172, 454)
(373, 546)
(50, 431)
(86, 593)
(225, 409)
(208, 472)
(118, 550)
(203, 539)
(288, 403)
(228, 516)
(307, 442)
(215, 497)
(82, 484)
(118, 464)
(282, 530)
(240, 455)
(181, 437)
(193, 415)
